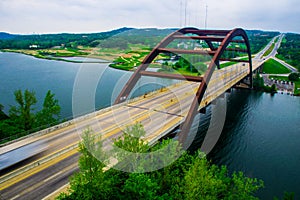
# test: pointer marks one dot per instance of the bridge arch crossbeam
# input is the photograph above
(207, 35)
(185, 127)
(218, 42)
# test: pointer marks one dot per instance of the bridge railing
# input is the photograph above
(223, 80)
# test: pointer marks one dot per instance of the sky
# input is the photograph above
(86, 16)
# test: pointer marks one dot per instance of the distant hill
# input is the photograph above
(4, 36)
(119, 38)
(44, 41)
(146, 32)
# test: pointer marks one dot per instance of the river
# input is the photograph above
(261, 135)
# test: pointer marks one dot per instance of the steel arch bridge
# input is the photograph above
(218, 43)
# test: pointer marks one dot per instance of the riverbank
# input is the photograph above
(260, 135)
(60, 55)
(133, 55)
(130, 60)
(285, 84)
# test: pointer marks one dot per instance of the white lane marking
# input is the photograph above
(53, 176)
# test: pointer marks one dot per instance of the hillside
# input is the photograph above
(5, 36)
(45, 41)
(147, 36)
(124, 45)
(289, 50)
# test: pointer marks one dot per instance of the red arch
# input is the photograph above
(223, 36)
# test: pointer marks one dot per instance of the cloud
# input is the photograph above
(42, 16)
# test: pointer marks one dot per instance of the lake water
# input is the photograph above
(261, 135)
(19, 71)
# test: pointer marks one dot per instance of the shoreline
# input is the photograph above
(57, 58)
(101, 61)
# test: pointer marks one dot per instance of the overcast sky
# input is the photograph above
(54, 16)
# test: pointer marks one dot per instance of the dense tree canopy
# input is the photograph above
(51, 40)
(23, 113)
(50, 112)
(294, 76)
(23, 119)
(3, 116)
(290, 50)
(190, 177)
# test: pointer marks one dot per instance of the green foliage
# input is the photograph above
(189, 177)
(3, 116)
(190, 64)
(269, 50)
(22, 120)
(273, 67)
(284, 78)
(114, 42)
(128, 148)
(187, 65)
(130, 140)
(86, 184)
(289, 51)
(271, 89)
(50, 112)
(51, 40)
(287, 196)
(140, 186)
(226, 64)
(259, 39)
(258, 82)
(166, 67)
(294, 76)
(23, 113)
(130, 62)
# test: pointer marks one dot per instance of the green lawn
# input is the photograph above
(273, 67)
(269, 50)
(297, 91)
(284, 78)
(223, 65)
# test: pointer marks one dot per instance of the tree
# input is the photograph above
(141, 186)
(3, 116)
(128, 147)
(273, 89)
(258, 82)
(294, 76)
(287, 196)
(50, 112)
(23, 113)
(91, 181)
(22, 120)
(189, 177)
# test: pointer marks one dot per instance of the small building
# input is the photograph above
(33, 46)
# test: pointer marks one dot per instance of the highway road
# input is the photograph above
(166, 106)
(159, 113)
(274, 53)
(290, 67)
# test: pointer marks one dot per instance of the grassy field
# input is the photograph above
(269, 50)
(51, 54)
(273, 67)
(223, 65)
(284, 78)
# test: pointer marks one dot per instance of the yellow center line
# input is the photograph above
(139, 117)
(42, 182)
(36, 170)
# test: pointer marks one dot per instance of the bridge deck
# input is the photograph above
(159, 113)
